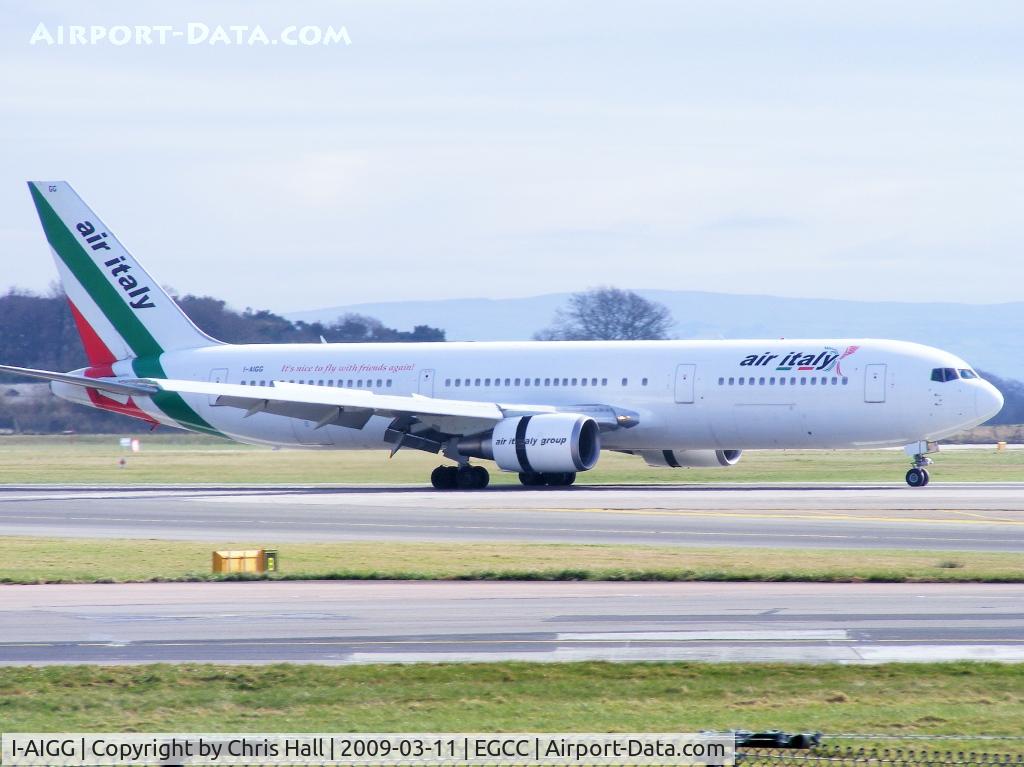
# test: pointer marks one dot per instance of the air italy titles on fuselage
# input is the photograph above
(821, 361)
(138, 295)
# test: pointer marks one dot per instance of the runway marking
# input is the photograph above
(706, 636)
(853, 642)
(785, 514)
(509, 528)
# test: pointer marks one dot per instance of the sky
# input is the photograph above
(858, 150)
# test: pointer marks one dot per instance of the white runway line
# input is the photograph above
(707, 636)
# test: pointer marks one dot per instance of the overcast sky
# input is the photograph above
(866, 150)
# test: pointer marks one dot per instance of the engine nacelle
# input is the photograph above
(534, 444)
(690, 459)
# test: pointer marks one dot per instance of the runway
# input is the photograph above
(982, 516)
(365, 622)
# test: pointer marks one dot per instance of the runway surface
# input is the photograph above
(987, 517)
(363, 622)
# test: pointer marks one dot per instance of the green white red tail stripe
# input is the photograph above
(121, 312)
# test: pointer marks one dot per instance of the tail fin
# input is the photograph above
(119, 309)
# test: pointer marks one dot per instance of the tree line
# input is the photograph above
(38, 331)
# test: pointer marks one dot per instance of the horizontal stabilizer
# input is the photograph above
(130, 387)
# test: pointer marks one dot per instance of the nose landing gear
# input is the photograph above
(917, 476)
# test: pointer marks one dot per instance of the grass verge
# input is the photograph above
(57, 560)
(903, 699)
(189, 459)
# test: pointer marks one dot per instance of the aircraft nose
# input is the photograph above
(987, 400)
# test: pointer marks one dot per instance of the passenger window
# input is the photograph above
(731, 381)
(350, 383)
(477, 382)
(643, 382)
(721, 381)
(565, 382)
(845, 380)
(625, 381)
(583, 381)
(750, 380)
(740, 381)
(526, 382)
(782, 381)
(834, 380)
(487, 382)
(604, 382)
(517, 382)
(536, 382)
(263, 383)
(389, 383)
(771, 381)
(508, 382)
(803, 381)
(556, 382)
(380, 383)
(359, 384)
(760, 381)
(547, 382)
(447, 382)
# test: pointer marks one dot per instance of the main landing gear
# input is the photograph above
(460, 477)
(917, 476)
(468, 477)
(558, 479)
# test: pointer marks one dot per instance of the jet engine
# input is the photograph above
(690, 459)
(534, 444)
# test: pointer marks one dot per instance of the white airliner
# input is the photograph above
(545, 410)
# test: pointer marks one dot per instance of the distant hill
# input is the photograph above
(987, 335)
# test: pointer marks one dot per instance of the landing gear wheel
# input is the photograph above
(561, 480)
(927, 476)
(444, 477)
(530, 479)
(472, 478)
(483, 478)
(917, 477)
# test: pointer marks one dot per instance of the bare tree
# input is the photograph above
(608, 314)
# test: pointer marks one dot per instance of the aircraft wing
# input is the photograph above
(423, 423)
(326, 400)
(417, 421)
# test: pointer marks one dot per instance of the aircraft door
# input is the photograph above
(874, 383)
(218, 375)
(685, 375)
(426, 387)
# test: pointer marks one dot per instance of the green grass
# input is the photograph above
(190, 459)
(56, 560)
(899, 699)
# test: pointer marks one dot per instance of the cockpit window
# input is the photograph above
(967, 373)
(945, 374)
